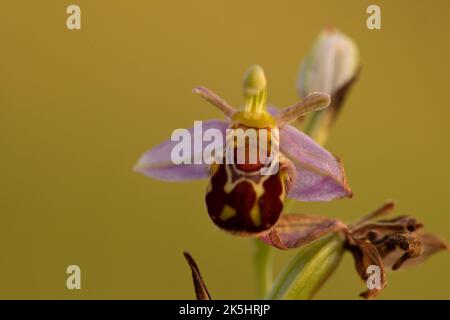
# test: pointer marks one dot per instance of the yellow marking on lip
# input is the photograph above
(255, 215)
(257, 187)
(227, 213)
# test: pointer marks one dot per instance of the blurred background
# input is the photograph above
(78, 108)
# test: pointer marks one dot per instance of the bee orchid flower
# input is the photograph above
(241, 198)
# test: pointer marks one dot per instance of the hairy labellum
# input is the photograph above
(243, 201)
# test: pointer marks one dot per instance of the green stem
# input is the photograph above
(263, 261)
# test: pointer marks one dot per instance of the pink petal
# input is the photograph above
(157, 163)
(320, 175)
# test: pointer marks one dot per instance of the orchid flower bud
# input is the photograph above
(331, 67)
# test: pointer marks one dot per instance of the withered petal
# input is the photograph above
(296, 230)
(381, 228)
(385, 209)
(200, 288)
(417, 251)
(365, 254)
(390, 244)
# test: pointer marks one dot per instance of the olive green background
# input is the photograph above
(77, 109)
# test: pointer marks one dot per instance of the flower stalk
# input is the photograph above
(263, 262)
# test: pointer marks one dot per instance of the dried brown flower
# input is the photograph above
(388, 244)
